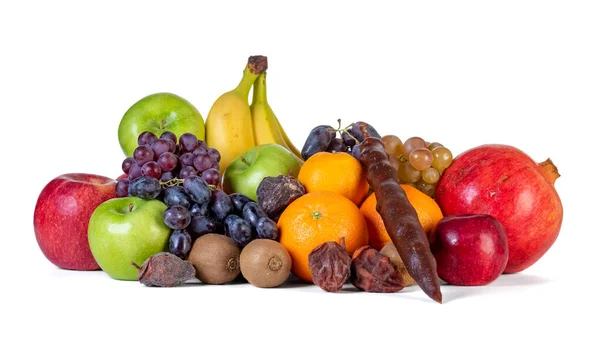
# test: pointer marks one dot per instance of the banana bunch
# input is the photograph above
(234, 127)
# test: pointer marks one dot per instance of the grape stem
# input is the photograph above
(343, 130)
(179, 182)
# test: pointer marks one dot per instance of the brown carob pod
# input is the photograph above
(400, 217)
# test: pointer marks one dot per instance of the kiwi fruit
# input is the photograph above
(390, 251)
(216, 259)
(265, 263)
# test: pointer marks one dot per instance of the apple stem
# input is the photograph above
(243, 159)
(135, 265)
(130, 208)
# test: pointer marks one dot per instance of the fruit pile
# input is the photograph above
(235, 200)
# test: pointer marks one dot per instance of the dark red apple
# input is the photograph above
(504, 182)
(62, 214)
(469, 249)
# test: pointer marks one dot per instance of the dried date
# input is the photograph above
(373, 272)
(164, 270)
(329, 265)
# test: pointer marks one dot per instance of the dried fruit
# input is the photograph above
(329, 265)
(274, 194)
(390, 251)
(373, 272)
(164, 270)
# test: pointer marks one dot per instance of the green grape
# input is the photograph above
(426, 188)
(393, 145)
(420, 158)
(407, 174)
(394, 161)
(442, 158)
(434, 145)
(411, 144)
(430, 175)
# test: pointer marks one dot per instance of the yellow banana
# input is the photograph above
(229, 121)
(267, 129)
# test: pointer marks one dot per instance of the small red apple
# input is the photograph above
(62, 215)
(470, 250)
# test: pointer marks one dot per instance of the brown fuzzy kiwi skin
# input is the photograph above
(390, 251)
(216, 259)
(265, 263)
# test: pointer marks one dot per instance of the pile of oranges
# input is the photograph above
(339, 204)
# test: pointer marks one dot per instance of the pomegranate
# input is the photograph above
(504, 182)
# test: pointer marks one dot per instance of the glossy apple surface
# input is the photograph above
(470, 250)
(246, 172)
(158, 113)
(62, 215)
(126, 230)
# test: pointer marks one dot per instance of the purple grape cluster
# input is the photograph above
(323, 138)
(163, 158)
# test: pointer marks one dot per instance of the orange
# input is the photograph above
(335, 172)
(428, 211)
(316, 218)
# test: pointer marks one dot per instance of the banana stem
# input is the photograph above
(260, 89)
(256, 66)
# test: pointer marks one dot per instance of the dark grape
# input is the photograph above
(203, 162)
(169, 135)
(143, 154)
(220, 204)
(267, 229)
(201, 225)
(200, 209)
(201, 144)
(177, 217)
(356, 152)
(144, 187)
(167, 161)
(187, 171)
(318, 140)
(161, 146)
(336, 145)
(356, 131)
(197, 189)
(126, 165)
(151, 169)
(215, 166)
(122, 188)
(188, 142)
(186, 159)
(238, 230)
(211, 176)
(176, 196)
(146, 138)
(199, 150)
(166, 176)
(252, 213)
(214, 154)
(135, 171)
(180, 243)
(239, 201)
(348, 140)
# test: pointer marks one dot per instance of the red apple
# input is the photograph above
(62, 215)
(470, 250)
(504, 182)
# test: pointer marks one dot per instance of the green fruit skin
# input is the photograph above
(267, 160)
(117, 236)
(148, 114)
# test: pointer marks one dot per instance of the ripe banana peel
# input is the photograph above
(267, 129)
(229, 121)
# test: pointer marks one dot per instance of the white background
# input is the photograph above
(463, 73)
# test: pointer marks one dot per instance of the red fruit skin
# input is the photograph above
(62, 215)
(470, 250)
(504, 182)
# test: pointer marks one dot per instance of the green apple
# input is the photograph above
(158, 113)
(125, 230)
(246, 172)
